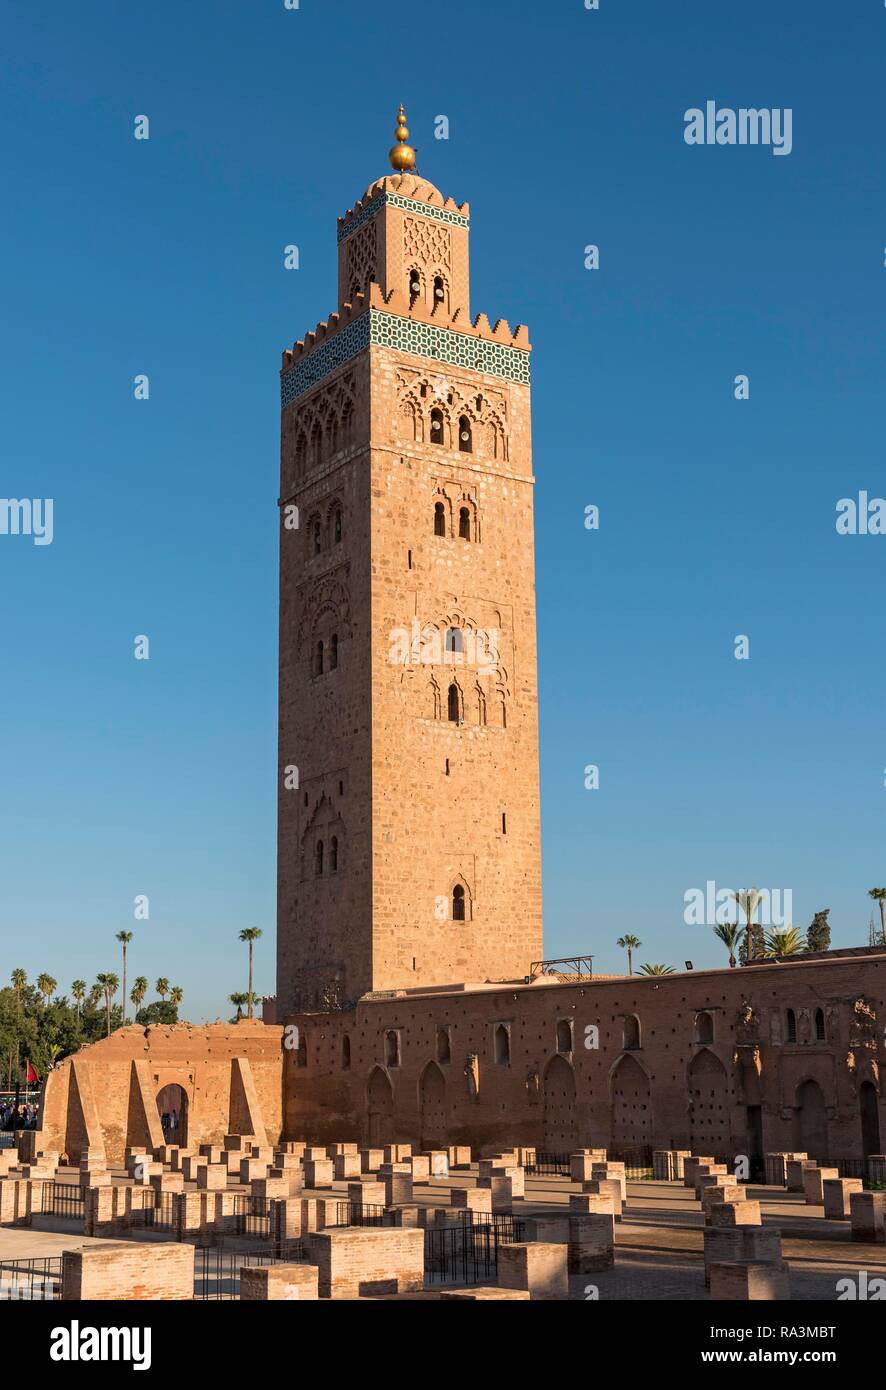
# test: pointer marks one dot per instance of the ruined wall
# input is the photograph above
(708, 1060)
(104, 1096)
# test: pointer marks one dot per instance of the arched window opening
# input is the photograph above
(704, 1028)
(444, 1052)
(336, 527)
(318, 859)
(439, 519)
(333, 652)
(792, 1025)
(318, 659)
(502, 1045)
(820, 1030)
(436, 426)
(454, 705)
(464, 524)
(439, 289)
(301, 454)
(345, 1053)
(455, 640)
(564, 1035)
(392, 1049)
(458, 903)
(631, 1036)
(465, 441)
(317, 537)
(333, 855)
(414, 287)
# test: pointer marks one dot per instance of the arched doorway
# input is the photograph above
(631, 1105)
(380, 1108)
(432, 1096)
(811, 1122)
(560, 1128)
(708, 1105)
(172, 1107)
(870, 1118)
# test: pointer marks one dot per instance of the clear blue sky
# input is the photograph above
(166, 257)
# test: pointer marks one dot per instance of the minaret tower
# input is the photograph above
(408, 852)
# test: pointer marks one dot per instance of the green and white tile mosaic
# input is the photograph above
(377, 329)
(455, 219)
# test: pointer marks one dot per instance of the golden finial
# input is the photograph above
(402, 156)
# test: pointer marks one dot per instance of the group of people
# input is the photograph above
(21, 1116)
(169, 1122)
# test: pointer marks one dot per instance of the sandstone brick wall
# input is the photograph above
(611, 1095)
(104, 1097)
(128, 1270)
(368, 1260)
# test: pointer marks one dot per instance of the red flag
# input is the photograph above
(31, 1076)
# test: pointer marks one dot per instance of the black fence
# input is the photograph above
(638, 1164)
(64, 1199)
(751, 1168)
(252, 1216)
(31, 1280)
(160, 1214)
(217, 1267)
(467, 1253)
(855, 1168)
(548, 1165)
(362, 1214)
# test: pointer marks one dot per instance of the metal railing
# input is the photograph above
(362, 1214)
(252, 1216)
(217, 1267)
(31, 1280)
(64, 1199)
(467, 1253)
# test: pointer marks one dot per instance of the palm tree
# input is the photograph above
(176, 994)
(109, 984)
(250, 934)
(629, 944)
(162, 987)
(238, 1000)
(19, 980)
(78, 990)
(95, 995)
(879, 896)
(139, 990)
(785, 941)
(748, 899)
(656, 970)
(124, 937)
(47, 987)
(730, 934)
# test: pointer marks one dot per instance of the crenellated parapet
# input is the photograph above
(379, 320)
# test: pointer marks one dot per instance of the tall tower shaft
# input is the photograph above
(408, 852)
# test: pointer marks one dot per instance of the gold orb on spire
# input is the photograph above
(402, 156)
